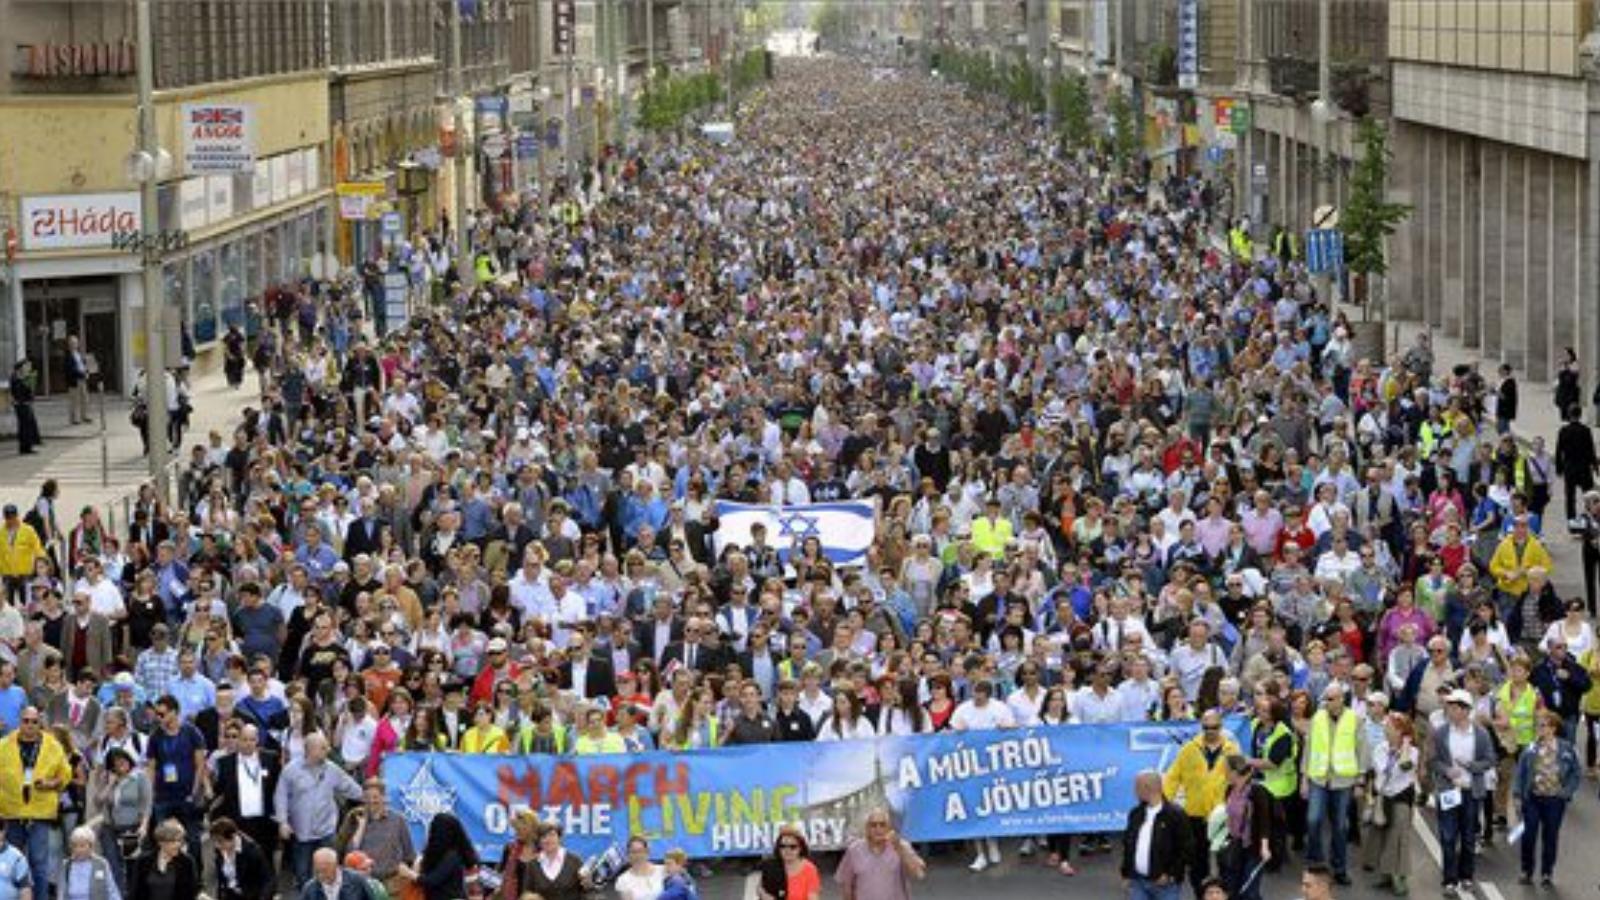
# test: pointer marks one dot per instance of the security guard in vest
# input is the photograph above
(1285, 246)
(1336, 758)
(1516, 717)
(1239, 241)
(1276, 759)
(540, 734)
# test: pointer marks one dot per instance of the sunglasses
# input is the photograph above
(788, 846)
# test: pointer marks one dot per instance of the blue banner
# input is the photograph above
(731, 801)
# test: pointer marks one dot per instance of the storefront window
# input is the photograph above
(203, 290)
(175, 284)
(230, 293)
(272, 258)
(308, 242)
(250, 252)
(291, 251)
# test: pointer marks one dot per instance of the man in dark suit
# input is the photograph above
(758, 661)
(245, 782)
(251, 876)
(1155, 846)
(694, 652)
(146, 533)
(1576, 460)
(655, 634)
(331, 881)
(587, 673)
(78, 709)
(363, 536)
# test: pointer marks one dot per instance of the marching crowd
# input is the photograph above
(1121, 475)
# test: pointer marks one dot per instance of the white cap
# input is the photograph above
(1459, 696)
(497, 645)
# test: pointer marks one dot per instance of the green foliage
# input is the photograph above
(831, 21)
(1368, 215)
(667, 102)
(1127, 139)
(750, 69)
(1075, 109)
(1161, 65)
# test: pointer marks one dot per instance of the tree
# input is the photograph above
(1369, 217)
(1126, 136)
(1076, 109)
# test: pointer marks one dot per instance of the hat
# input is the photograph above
(497, 645)
(122, 680)
(357, 860)
(1459, 696)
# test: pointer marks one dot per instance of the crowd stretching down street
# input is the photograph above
(1122, 474)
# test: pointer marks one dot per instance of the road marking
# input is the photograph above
(1431, 844)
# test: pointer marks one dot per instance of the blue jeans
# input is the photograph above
(1541, 824)
(300, 853)
(1145, 889)
(1458, 832)
(32, 837)
(1328, 810)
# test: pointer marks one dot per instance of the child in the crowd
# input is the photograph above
(677, 883)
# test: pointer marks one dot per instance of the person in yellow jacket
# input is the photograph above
(1199, 779)
(484, 736)
(992, 532)
(20, 548)
(33, 771)
(1590, 706)
(1518, 552)
(596, 738)
(1336, 758)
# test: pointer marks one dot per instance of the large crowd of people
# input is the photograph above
(1122, 474)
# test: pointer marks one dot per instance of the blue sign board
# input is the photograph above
(1324, 251)
(1188, 43)
(527, 145)
(731, 801)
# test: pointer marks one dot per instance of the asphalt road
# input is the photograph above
(1577, 872)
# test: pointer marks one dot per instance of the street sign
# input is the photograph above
(391, 224)
(527, 145)
(1188, 44)
(1239, 119)
(1324, 251)
(1214, 154)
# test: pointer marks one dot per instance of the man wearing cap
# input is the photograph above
(497, 668)
(1462, 756)
(1336, 756)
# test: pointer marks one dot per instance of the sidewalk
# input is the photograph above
(72, 454)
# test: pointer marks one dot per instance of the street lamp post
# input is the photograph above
(147, 166)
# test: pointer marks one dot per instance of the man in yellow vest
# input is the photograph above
(595, 738)
(1276, 759)
(1336, 758)
(1516, 716)
(992, 532)
(1198, 780)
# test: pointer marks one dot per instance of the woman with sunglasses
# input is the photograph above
(789, 874)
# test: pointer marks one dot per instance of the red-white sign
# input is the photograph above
(77, 221)
(218, 137)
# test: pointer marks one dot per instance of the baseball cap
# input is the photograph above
(1459, 696)
(497, 645)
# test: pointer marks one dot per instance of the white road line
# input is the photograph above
(1431, 844)
(1425, 834)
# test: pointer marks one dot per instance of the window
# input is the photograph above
(230, 291)
(203, 294)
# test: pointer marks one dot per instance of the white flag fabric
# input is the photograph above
(845, 528)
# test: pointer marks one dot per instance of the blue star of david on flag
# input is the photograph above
(798, 526)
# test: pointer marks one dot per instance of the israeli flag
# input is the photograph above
(846, 529)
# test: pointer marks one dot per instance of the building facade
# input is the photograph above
(68, 113)
(1494, 147)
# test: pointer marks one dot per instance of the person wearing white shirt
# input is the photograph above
(1339, 562)
(1575, 629)
(1097, 704)
(1139, 694)
(530, 588)
(982, 712)
(1027, 701)
(105, 598)
(356, 731)
(1190, 660)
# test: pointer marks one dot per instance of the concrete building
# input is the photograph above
(1495, 144)
(67, 117)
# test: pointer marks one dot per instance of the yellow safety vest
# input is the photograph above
(1241, 243)
(1342, 762)
(1520, 712)
(526, 736)
(478, 741)
(1281, 780)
